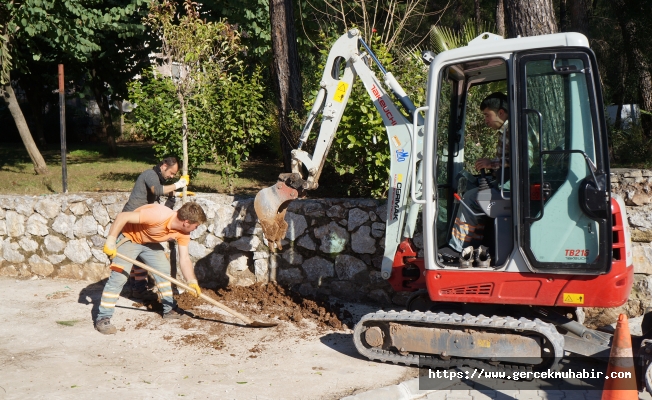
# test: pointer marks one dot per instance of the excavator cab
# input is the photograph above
(547, 208)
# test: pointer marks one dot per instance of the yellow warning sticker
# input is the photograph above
(575, 298)
(342, 87)
(484, 343)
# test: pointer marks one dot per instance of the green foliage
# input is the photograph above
(221, 99)
(37, 29)
(360, 149)
(226, 118)
(444, 38)
(252, 17)
(629, 146)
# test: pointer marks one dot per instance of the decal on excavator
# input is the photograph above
(576, 254)
(574, 298)
(342, 87)
(401, 155)
(396, 196)
(383, 105)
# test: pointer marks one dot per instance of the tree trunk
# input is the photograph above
(105, 112)
(530, 17)
(579, 16)
(286, 74)
(184, 141)
(10, 98)
(500, 17)
(458, 16)
(478, 16)
(563, 16)
(636, 60)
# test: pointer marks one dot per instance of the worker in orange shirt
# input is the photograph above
(144, 230)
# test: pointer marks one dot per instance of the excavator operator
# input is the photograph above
(468, 229)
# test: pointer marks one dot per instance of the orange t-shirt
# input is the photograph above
(154, 226)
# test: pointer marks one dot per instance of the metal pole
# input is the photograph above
(62, 129)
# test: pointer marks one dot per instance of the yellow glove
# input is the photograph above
(182, 182)
(188, 193)
(109, 246)
(193, 284)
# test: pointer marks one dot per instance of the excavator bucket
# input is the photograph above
(271, 205)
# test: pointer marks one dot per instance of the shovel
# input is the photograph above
(248, 321)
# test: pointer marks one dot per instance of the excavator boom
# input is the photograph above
(349, 58)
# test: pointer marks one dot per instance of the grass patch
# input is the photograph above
(67, 323)
(90, 170)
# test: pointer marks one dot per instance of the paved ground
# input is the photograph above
(50, 350)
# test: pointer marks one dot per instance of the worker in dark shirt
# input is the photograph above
(149, 188)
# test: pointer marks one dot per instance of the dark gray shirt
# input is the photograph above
(147, 190)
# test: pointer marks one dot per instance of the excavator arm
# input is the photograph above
(345, 63)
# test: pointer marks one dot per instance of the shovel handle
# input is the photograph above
(188, 288)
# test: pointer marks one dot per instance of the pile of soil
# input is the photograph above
(271, 301)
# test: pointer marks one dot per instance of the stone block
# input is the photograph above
(54, 244)
(348, 267)
(333, 238)
(78, 209)
(64, 224)
(261, 270)
(40, 266)
(356, 218)
(78, 251)
(197, 250)
(37, 225)
(306, 242)
(297, 225)
(362, 242)
(292, 256)
(15, 224)
(25, 206)
(317, 268)
(85, 226)
(28, 244)
(11, 252)
(642, 258)
(289, 276)
(100, 214)
(246, 243)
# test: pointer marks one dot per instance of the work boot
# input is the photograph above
(466, 257)
(482, 257)
(175, 313)
(144, 294)
(103, 325)
(448, 255)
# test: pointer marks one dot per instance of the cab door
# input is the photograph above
(563, 165)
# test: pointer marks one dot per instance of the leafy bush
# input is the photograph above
(629, 147)
(225, 118)
(360, 149)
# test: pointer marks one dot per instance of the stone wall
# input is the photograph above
(333, 246)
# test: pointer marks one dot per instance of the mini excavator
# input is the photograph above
(557, 237)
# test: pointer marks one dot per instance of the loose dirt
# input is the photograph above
(51, 350)
(270, 302)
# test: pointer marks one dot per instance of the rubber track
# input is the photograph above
(521, 326)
